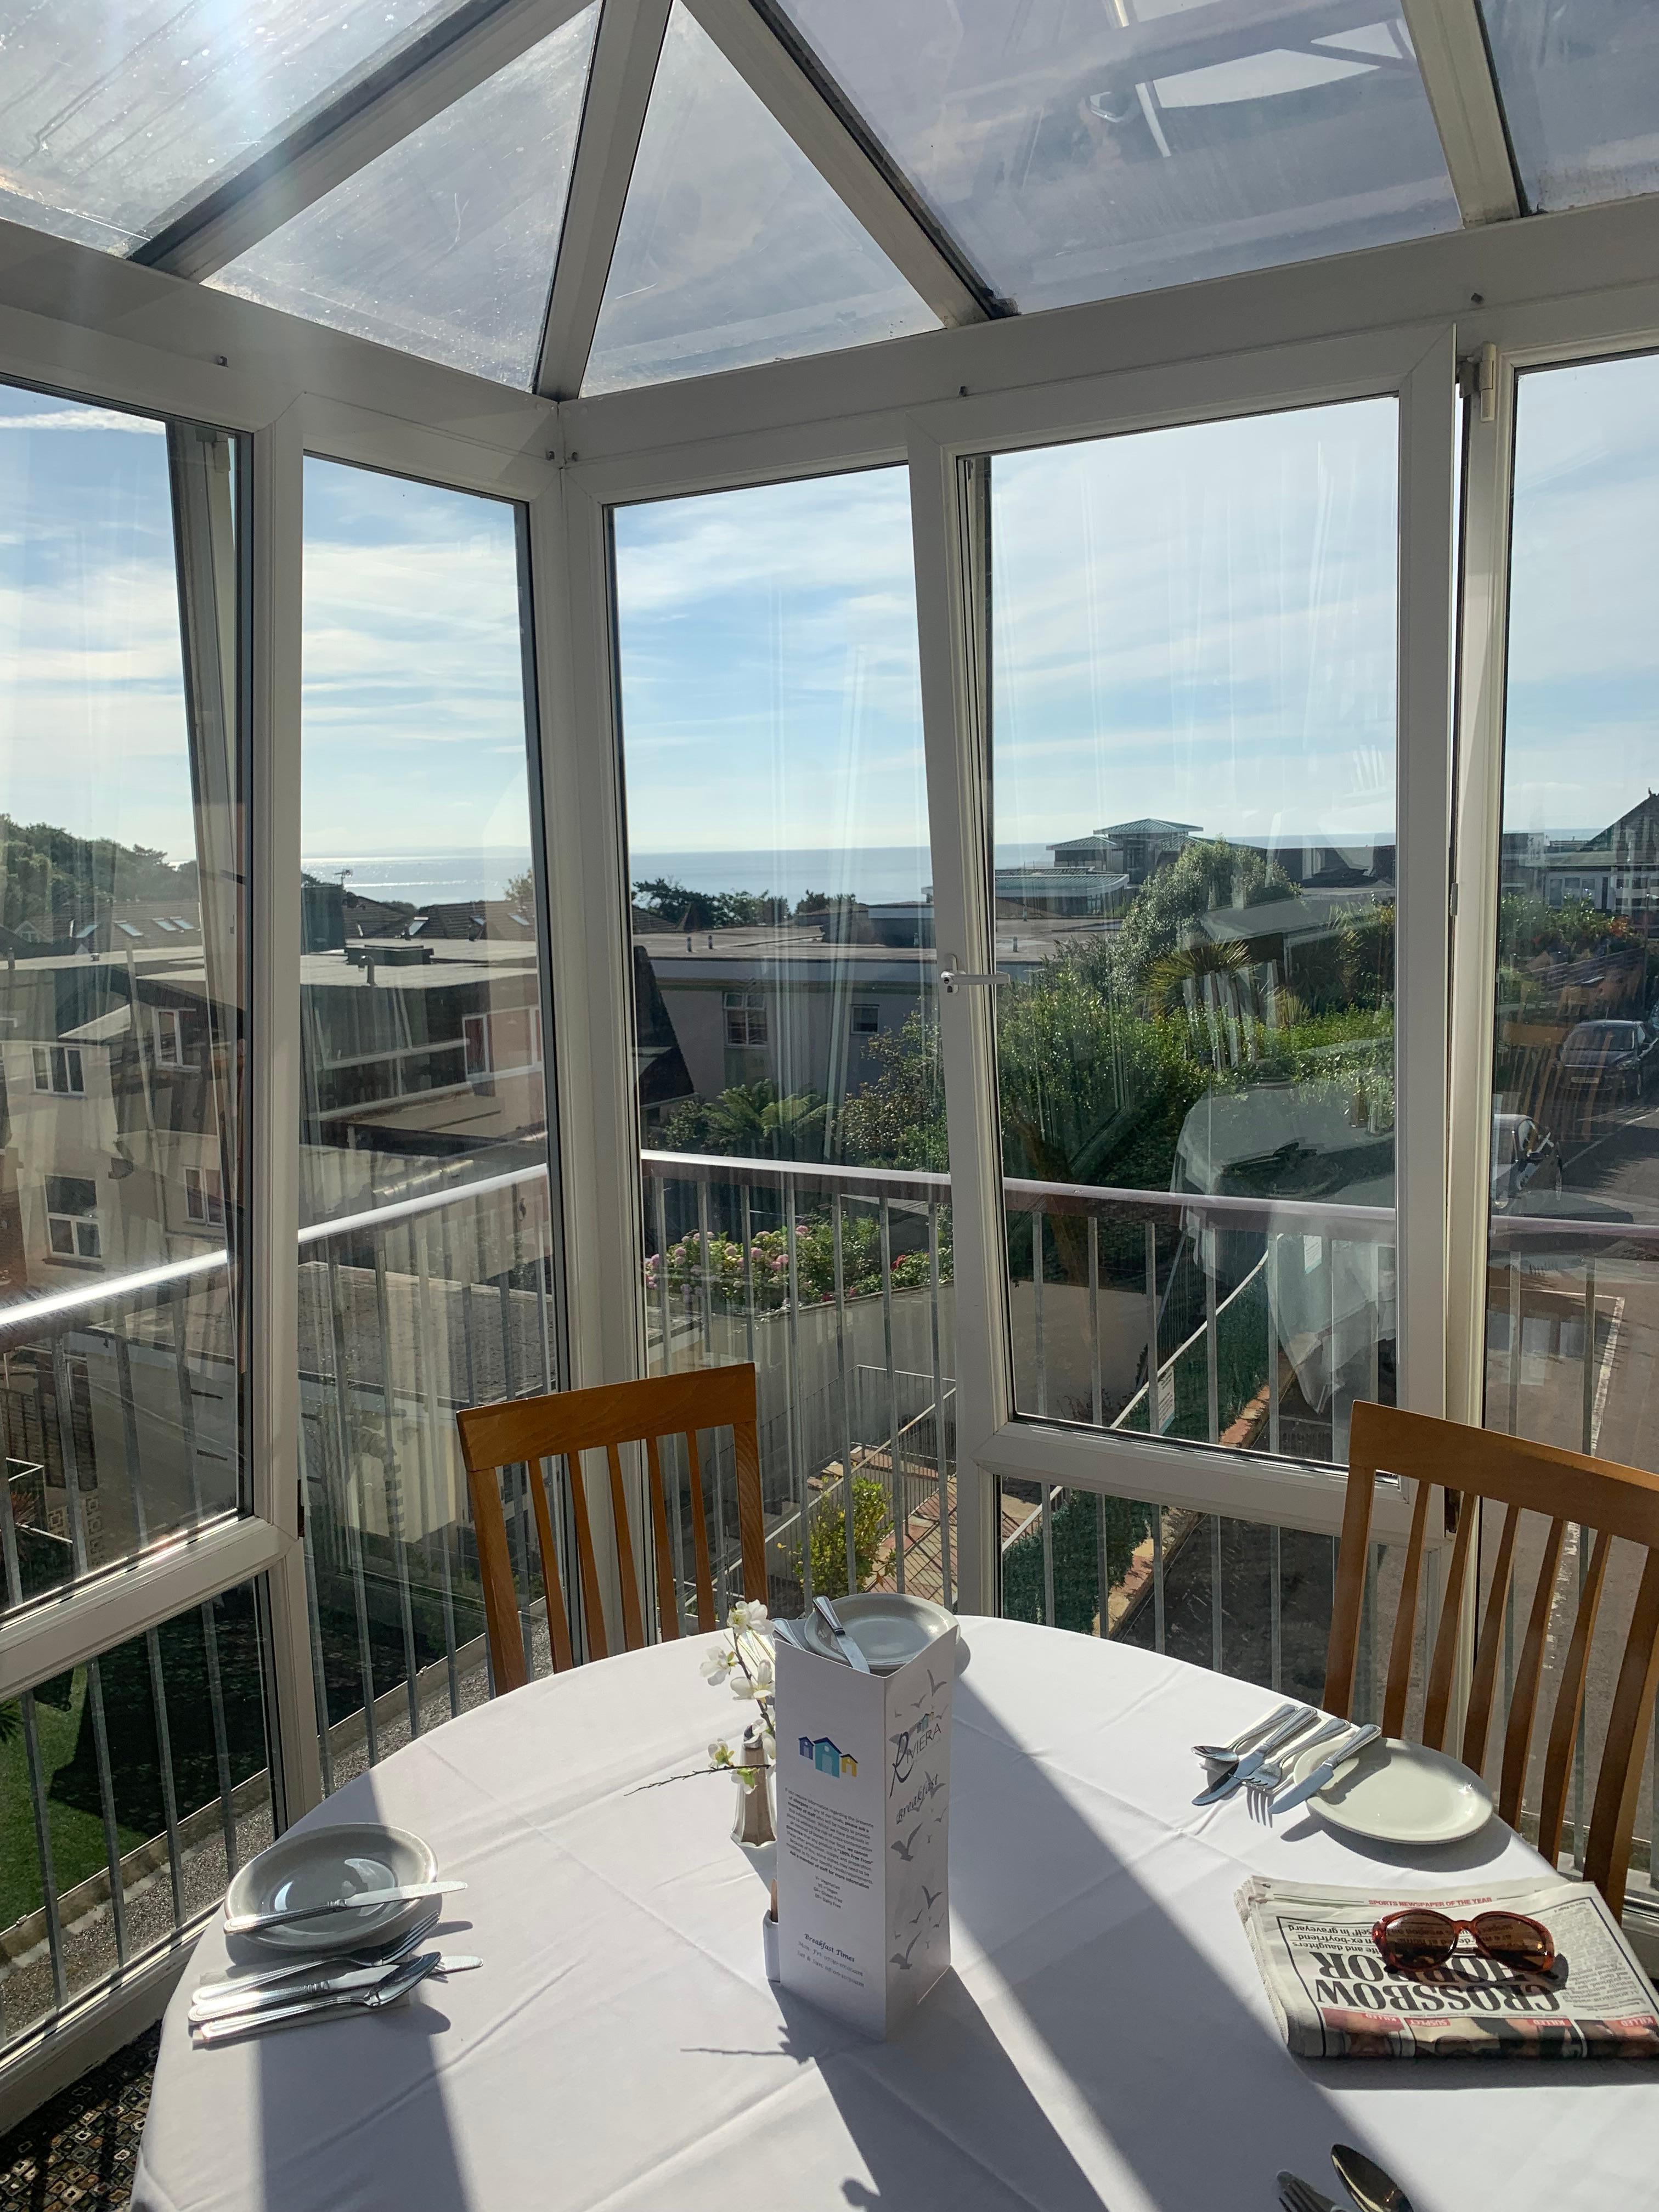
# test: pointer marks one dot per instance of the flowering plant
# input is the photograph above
(747, 1676)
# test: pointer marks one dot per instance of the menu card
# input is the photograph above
(864, 1832)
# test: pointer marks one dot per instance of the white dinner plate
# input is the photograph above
(889, 1629)
(318, 1863)
(1398, 1793)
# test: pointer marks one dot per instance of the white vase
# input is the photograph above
(753, 1821)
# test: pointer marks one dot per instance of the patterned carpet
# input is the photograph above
(77, 2153)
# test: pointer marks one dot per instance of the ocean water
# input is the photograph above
(873, 873)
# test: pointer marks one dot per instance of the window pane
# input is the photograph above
(427, 1279)
(445, 245)
(1082, 151)
(778, 821)
(148, 1761)
(114, 115)
(733, 248)
(1581, 97)
(1574, 1205)
(120, 1405)
(1194, 745)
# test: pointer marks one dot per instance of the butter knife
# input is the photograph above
(255, 1923)
(1299, 1792)
(233, 2004)
(844, 1644)
(393, 1987)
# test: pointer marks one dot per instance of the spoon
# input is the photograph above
(1372, 2189)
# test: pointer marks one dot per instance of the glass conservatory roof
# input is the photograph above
(763, 179)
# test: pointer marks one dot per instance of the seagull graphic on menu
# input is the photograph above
(902, 1958)
(930, 1898)
(933, 1690)
(907, 1847)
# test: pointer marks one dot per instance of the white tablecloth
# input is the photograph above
(1105, 2039)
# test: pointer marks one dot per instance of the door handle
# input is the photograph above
(952, 979)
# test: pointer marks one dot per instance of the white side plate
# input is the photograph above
(316, 1864)
(1398, 1793)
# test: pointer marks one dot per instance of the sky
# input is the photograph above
(1194, 622)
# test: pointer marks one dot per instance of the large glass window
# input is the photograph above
(121, 1038)
(1193, 746)
(794, 1167)
(427, 1278)
(1575, 1196)
(1089, 148)
(1192, 742)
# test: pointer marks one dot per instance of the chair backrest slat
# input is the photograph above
(1404, 1621)
(558, 1620)
(587, 1565)
(668, 1611)
(1436, 1701)
(633, 1617)
(1607, 1860)
(699, 1529)
(563, 1425)
(1528, 1674)
(1570, 1700)
(1468, 1466)
(1477, 1725)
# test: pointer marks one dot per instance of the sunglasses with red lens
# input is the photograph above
(1418, 1935)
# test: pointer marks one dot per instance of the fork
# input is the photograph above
(1296, 2195)
(1265, 1783)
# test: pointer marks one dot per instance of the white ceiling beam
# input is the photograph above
(619, 82)
(851, 166)
(1457, 76)
(383, 108)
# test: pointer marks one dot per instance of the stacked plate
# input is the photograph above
(888, 1628)
(300, 1949)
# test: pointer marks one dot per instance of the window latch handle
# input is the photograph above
(952, 979)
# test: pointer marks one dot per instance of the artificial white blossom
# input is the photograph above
(747, 1612)
(742, 1687)
(717, 1665)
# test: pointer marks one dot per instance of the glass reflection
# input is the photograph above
(121, 929)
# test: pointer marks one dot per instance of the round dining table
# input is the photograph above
(1102, 2040)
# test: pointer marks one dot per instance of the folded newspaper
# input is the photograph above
(1335, 1998)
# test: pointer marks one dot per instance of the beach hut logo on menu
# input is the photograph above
(826, 1758)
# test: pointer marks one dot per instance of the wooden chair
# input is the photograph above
(566, 1423)
(1468, 1465)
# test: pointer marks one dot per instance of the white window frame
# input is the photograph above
(204, 1197)
(169, 1032)
(742, 1010)
(49, 1059)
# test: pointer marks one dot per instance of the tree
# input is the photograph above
(683, 909)
(53, 882)
(520, 890)
(871, 1523)
(751, 1122)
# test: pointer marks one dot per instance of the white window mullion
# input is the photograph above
(946, 547)
(1428, 487)
(271, 1278)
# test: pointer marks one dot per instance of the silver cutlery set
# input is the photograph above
(1260, 1761)
(302, 1988)
(1371, 2188)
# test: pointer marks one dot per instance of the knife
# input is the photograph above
(1325, 1771)
(255, 1923)
(233, 2004)
(395, 1985)
(844, 1644)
